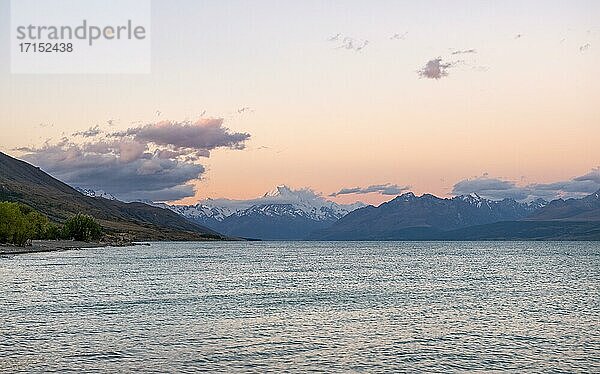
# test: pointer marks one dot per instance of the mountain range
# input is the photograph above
(27, 184)
(470, 217)
(282, 213)
(288, 214)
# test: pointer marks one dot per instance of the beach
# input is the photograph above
(53, 246)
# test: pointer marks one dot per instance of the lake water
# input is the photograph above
(299, 306)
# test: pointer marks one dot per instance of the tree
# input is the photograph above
(82, 227)
(53, 232)
(19, 224)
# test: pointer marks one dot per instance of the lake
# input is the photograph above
(300, 306)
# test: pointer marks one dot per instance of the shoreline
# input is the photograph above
(38, 246)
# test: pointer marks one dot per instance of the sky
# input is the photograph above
(357, 100)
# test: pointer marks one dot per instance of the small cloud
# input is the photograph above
(584, 47)
(383, 189)
(436, 69)
(463, 51)
(480, 68)
(490, 188)
(89, 133)
(593, 175)
(348, 43)
(399, 36)
(363, 45)
(518, 36)
(244, 109)
(334, 38)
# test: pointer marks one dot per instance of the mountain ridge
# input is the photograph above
(470, 217)
(425, 213)
(584, 209)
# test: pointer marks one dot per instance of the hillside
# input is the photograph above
(527, 230)
(25, 183)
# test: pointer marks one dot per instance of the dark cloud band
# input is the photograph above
(498, 189)
(383, 189)
(156, 161)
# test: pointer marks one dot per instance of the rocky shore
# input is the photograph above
(57, 245)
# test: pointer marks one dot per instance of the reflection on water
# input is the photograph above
(273, 306)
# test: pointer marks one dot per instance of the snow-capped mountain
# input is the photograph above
(282, 213)
(280, 201)
(94, 193)
(423, 217)
(502, 207)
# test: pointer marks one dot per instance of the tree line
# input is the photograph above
(19, 224)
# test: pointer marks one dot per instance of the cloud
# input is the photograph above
(584, 47)
(435, 69)
(349, 43)
(154, 162)
(498, 189)
(593, 175)
(334, 38)
(399, 36)
(89, 133)
(383, 189)
(199, 137)
(490, 188)
(464, 51)
(124, 172)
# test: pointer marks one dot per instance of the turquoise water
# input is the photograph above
(299, 306)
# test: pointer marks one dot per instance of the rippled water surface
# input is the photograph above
(296, 306)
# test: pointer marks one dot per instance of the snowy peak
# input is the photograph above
(282, 200)
(280, 191)
(96, 193)
(407, 196)
(538, 203)
(474, 199)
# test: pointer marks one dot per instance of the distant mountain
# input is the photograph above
(586, 209)
(571, 219)
(425, 217)
(282, 213)
(25, 183)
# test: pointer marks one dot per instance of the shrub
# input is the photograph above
(82, 227)
(53, 232)
(19, 224)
